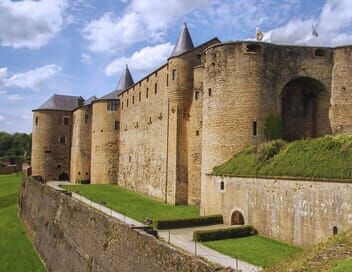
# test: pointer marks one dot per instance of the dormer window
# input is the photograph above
(112, 105)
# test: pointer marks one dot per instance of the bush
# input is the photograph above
(220, 234)
(273, 127)
(84, 182)
(189, 222)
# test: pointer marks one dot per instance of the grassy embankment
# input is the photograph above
(131, 204)
(329, 157)
(257, 250)
(16, 251)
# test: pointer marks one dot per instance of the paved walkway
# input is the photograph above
(181, 238)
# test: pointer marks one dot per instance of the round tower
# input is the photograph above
(51, 137)
(81, 142)
(341, 98)
(233, 114)
(106, 134)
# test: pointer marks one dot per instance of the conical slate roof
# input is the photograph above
(184, 42)
(62, 102)
(90, 100)
(125, 81)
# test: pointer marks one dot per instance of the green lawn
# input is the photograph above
(132, 204)
(326, 157)
(343, 266)
(255, 249)
(16, 251)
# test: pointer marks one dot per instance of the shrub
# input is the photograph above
(273, 129)
(268, 150)
(220, 234)
(189, 222)
(84, 182)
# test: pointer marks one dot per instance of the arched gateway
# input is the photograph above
(305, 109)
(237, 218)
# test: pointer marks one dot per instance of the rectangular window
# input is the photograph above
(117, 125)
(113, 105)
(140, 96)
(127, 103)
(167, 80)
(36, 120)
(147, 93)
(197, 132)
(86, 118)
(62, 139)
(156, 88)
(66, 121)
(174, 74)
(133, 99)
(196, 95)
(255, 128)
(209, 91)
(122, 105)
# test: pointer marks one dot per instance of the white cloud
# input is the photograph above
(86, 59)
(14, 97)
(2, 119)
(30, 23)
(332, 25)
(141, 21)
(35, 79)
(144, 60)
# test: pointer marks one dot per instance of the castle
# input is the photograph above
(162, 135)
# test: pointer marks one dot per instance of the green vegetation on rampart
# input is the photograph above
(16, 251)
(329, 157)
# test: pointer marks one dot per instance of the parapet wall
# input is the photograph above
(70, 236)
(299, 212)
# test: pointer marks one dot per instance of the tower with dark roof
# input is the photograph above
(184, 43)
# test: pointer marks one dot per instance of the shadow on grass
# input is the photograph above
(7, 200)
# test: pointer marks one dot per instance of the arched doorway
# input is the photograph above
(237, 218)
(305, 109)
(64, 177)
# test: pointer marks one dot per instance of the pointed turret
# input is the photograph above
(184, 42)
(125, 81)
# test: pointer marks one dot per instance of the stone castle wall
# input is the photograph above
(50, 158)
(81, 144)
(341, 100)
(303, 213)
(105, 144)
(70, 236)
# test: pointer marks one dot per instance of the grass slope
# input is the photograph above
(16, 251)
(326, 157)
(335, 255)
(256, 250)
(132, 204)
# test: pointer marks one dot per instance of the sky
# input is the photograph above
(79, 47)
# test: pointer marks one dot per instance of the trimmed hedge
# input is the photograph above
(189, 222)
(220, 234)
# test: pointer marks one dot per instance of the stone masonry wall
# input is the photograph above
(81, 144)
(298, 212)
(50, 158)
(70, 236)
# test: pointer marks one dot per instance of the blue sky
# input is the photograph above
(79, 47)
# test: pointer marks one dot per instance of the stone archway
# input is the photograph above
(305, 109)
(64, 177)
(237, 218)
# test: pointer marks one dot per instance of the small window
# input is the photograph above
(122, 105)
(156, 73)
(196, 95)
(174, 74)
(140, 96)
(254, 128)
(253, 48)
(222, 185)
(79, 173)
(47, 151)
(133, 99)
(66, 121)
(156, 88)
(117, 125)
(36, 121)
(209, 92)
(320, 53)
(127, 103)
(147, 93)
(150, 120)
(86, 118)
(62, 139)
(335, 230)
(197, 132)
(167, 80)
(147, 79)
(199, 56)
(129, 158)
(112, 105)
